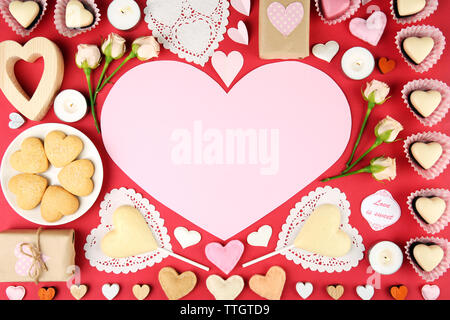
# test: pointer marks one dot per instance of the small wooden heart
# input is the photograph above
(78, 291)
(46, 293)
(335, 292)
(141, 291)
(36, 107)
(386, 65)
(399, 292)
(269, 286)
(175, 285)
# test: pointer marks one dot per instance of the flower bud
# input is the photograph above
(146, 48)
(388, 129)
(376, 91)
(114, 46)
(88, 56)
(383, 168)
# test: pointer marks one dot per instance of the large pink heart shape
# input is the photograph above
(291, 121)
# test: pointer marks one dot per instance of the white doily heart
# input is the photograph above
(192, 29)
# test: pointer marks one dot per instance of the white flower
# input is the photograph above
(383, 168)
(114, 46)
(388, 129)
(88, 56)
(376, 90)
(146, 48)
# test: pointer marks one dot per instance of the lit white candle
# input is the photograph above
(124, 14)
(357, 63)
(385, 257)
(70, 106)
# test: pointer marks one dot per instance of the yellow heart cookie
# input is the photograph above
(269, 286)
(430, 209)
(321, 234)
(28, 188)
(176, 286)
(77, 16)
(78, 291)
(62, 149)
(24, 12)
(335, 292)
(428, 257)
(225, 289)
(57, 202)
(141, 291)
(30, 158)
(426, 154)
(425, 102)
(76, 177)
(418, 48)
(130, 236)
(410, 7)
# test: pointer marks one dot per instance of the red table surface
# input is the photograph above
(356, 188)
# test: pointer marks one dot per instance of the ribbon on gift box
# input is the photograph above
(38, 263)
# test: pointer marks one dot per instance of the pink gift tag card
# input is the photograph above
(380, 210)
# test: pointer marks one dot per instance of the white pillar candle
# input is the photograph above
(357, 63)
(385, 257)
(124, 14)
(70, 106)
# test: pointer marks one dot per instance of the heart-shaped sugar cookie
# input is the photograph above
(430, 209)
(29, 189)
(428, 257)
(76, 177)
(131, 235)
(409, 7)
(46, 293)
(175, 285)
(321, 234)
(30, 158)
(78, 291)
(225, 289)
(425, 102)
(269, 286)
(36, 107)
(62, 149)
(57, 202)
(335, 292)
(77, 16)
(417, 49)
(141, 291)
(426, 154)
(24, 12)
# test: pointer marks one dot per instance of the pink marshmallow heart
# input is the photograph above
(225, 258)
(430, 292)
(369, 30)
(285, 20)
(334, 8)
(15, 293)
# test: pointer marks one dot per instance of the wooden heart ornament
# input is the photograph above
(37, 106)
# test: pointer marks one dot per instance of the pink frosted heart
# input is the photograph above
(369, 30)
(156, 104)
(285, 20)
(430, 292)
(225, 258)
(334, 8)
(15, 293)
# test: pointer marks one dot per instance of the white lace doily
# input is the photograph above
(192, 29)
(113, 200)
(297, 218)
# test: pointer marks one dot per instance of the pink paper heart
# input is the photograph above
(239, 35)
(285, 20)
(241, 6)
(369, 30)
(15, 293)
(227, 67)
(225, 258)
(334, 8)
(430, 292)
(300, 108)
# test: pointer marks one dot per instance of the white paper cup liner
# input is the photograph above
(16, 26)
(429, 9)
(354, 6)
(60, 18)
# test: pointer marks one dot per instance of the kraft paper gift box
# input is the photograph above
(20, 258)
(272, 43)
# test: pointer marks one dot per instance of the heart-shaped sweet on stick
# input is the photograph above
(428, 257)
(62, 149)
(175, 285)
(24, 12)
(426, 154)
(36, 107)
(425, 102)
(227, 289)
(57, 202)
(29, 189)
(418, 49)
(78, 291)
(77, 16)
(269, 286)
(141, 291)
(430, 209)
(30, 158)
(76, 177)
(225, 257)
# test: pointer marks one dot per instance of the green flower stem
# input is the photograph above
(87, 72)
(366, 169)
(377, 143)
(370, 107)
(108, 61)
(108, 79)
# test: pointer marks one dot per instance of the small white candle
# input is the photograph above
(124, 14)
(357, 63)
(70, 106)
(385, 257)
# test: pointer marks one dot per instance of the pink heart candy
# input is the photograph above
(430, 292)
(285, 20)
(369, 30)
(225, 257)
(334, 8)
(15, 293)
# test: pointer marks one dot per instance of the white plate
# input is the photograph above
(89, 152)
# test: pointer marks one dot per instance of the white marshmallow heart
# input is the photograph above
(261, 237)
(110, 291)
(304, 289)
(187, 238)
(16, 120)
(365, 292)
(326, 51)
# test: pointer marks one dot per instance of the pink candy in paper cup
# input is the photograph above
(440, 269)
(444, 219)
(341, 10)
(60, 17)
(428, 85)
(14, 24)
(420, 32)
(429, 137)
(428, 10)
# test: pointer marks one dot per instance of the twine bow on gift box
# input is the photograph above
(38, 265)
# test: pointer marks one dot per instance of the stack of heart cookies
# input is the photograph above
(32, 189)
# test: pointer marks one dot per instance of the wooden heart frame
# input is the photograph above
(36, 107)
